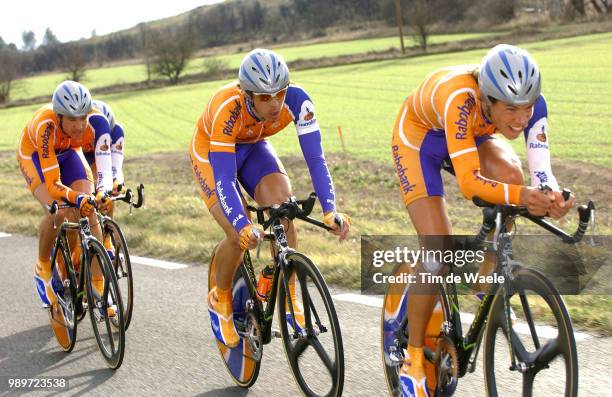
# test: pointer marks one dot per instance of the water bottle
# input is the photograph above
(264, 283)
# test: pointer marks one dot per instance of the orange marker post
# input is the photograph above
(341, 138)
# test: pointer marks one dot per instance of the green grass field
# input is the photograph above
(102, 77)
(576, 83)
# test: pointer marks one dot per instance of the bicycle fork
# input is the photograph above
(283, 250)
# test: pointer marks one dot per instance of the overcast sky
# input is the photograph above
(72, 20)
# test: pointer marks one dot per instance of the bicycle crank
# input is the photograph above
(447, 367)
(253, 336)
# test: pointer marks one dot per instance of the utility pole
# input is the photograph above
(398, 14)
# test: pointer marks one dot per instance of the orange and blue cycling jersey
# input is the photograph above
(441, 124)
(229, 145)
(47, 155)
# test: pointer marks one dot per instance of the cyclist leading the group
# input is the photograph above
(51, 160)
(448, 123)
(229, 146)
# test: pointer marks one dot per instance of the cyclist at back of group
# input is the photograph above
(229, 146)
(448, 122)
(116, 142)
(51, 160)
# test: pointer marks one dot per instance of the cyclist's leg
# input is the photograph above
(268, 185)
(275, 188)
(268, 182)
(499, 162)
(32, 173)
(418, 172)
(227, 255)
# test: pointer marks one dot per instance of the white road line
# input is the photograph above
(544, 331)
(4, 235)
(156, 263)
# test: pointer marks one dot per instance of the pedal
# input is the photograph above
(276, 333)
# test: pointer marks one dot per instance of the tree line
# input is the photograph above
(166, 50)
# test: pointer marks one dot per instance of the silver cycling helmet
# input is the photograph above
(106, 111)
(71, 99)
(509, 74)
(263, 72)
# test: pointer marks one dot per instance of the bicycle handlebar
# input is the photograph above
(291, 209)
(55, 206)
(490, 212)
(128, 196)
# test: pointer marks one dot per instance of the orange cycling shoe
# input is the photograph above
(413, 382)
(43, 278)
(111, 309)
(222, 317)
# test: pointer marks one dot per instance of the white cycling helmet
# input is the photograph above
(263, 72)
(106, 110)
(71, 99)
(509, 74)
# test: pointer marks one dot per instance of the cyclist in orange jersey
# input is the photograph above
(448, 123)
(52, 162)
(229, 146)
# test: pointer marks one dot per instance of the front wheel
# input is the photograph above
(104, 303)
(310, 332)
(546, 361)
(62, 314)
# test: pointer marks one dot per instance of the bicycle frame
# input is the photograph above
(282, 249)
(280, 261)
(497, 216)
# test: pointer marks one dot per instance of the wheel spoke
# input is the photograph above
(331, 367)
(518, 346)
(109, 332)
(299, 347)
(529, 319)
(528, 378)
(306, 301)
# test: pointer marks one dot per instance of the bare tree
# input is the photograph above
(74, 61)
(601, 6)
(171, 52)
(574, 9)
(420, 19)
(9, 71)
(145, 36)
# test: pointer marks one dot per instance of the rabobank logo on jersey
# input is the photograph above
(538, 145)
(464, 114)
(228, 125)
(307, 114)
(223, 199)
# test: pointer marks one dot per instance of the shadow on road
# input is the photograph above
(34, 353)
(225, 392)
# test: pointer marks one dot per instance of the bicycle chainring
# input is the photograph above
(253, 336)
(447, 367)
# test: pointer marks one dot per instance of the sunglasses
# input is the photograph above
(278, 95)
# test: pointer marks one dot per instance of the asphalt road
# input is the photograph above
(170, 350)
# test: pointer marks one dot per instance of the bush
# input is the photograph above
(214, 66)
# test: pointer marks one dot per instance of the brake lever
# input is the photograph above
(256, 233)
